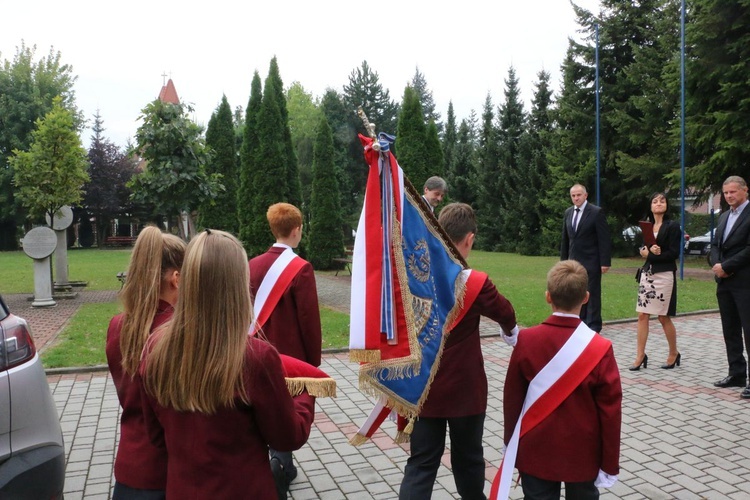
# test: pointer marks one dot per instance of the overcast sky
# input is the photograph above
(119, 51)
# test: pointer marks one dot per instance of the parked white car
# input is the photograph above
(32, 455)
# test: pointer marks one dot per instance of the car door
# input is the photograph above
(4, 393)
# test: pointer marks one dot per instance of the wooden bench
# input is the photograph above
(119, 241)
(346, 261)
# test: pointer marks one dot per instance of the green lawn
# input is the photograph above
(521, 279)
(97, 267)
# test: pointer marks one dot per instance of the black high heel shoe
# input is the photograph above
(676, 362)
(643, 362)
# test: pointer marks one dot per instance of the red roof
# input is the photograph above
(168, 93)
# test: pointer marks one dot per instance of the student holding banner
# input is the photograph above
(458, 393)
(285, 302)
(571, 433)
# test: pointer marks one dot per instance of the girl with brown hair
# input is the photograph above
(148, 297)
(213, 394)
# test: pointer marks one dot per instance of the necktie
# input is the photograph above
(575, 219)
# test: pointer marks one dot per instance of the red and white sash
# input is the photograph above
(276, 281)
(562, 374)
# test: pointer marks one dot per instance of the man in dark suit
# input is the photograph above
(585, 238)
(730, 258)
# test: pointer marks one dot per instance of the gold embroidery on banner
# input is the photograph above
(419, 261)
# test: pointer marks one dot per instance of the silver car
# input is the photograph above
(32, 455)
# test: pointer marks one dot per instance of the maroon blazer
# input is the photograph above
(294, 325)
(225, 455)
(139, 464)
(583, 434)
(459, 388)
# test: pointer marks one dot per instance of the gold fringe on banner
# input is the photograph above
(317, 387)
(358, 439)
(364, 355)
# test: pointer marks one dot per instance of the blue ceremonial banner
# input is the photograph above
(408, 286)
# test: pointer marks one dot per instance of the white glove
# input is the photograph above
(512, 337)
(604, 480)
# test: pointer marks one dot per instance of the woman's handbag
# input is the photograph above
(638, 273)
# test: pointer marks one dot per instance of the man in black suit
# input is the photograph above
(585, 238)
(730, 258)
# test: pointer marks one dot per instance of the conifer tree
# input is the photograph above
(449, 140)
(462, 178)
(718, 86)
(292, 182)
(435, 160)
(488, 235)
(411, 147)
(535, 179)
(419, 84)
(249, 163)
(221, 212)
(270, 186)
(510, 127)
(106, 194)
(326, 237)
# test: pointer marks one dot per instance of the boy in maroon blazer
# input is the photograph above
(578, 442)
(458, 393)
(291, 319)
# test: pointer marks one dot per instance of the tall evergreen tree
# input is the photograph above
(419, 84)
(270, 187)
(106, 194)
(411, 147)
(345, 146)
(326, 236)
(462, 177)
(294, 188)
(718, 86)
(249, 163)
(221, 212)
(434, 152)
(511, 128)
(450, 139)
(365, 90)
(488, 213)
(534, 178)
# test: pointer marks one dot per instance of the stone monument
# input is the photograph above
(39, 243)
(63, 219)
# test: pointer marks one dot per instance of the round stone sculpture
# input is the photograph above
(40, 242)
(63, 218)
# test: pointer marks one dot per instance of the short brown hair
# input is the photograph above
(567, 284)
(458, 220)
(283, 218)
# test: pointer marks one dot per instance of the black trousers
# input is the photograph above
(123, 492)
(541, 489)
(734, 309)
(591, 312)
(427, 447)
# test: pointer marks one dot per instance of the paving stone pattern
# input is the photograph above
(681, 437)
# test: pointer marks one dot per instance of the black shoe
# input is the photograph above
(676, 362)
(643, 362)
(745, 394)
(731, 381)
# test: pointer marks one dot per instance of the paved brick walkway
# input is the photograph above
(681, 437)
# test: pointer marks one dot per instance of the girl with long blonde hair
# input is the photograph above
(215, 395)
(148, 297)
